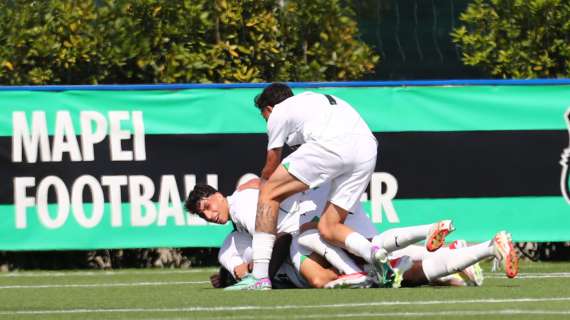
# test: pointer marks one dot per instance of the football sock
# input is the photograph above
(399, 238)
(262, 246)
(446, 261)
(358, 245)
(335, 256)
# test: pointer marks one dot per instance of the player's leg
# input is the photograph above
(337, 257)
(345, 192)
(447, 261)
(398, 238)
(470, 276)
(317, 271)
(415, 276)
(280, 185)
(301, 169)
(313, 269)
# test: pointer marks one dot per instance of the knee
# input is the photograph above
(326, 231)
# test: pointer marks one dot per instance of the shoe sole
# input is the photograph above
(350, 284)
(511, 262)
(509, 259)
(471, 276)
(437, 239)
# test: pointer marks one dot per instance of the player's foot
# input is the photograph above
(506, 254)
(382, 269)
(350, 281)
(249, 282)
(436, 235)
(473, 275)
(400, 266)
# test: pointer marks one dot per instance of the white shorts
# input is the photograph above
(348, 164)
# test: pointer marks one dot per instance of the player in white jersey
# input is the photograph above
(336, 146)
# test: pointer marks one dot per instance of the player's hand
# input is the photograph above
(216, 280)
(241, 270)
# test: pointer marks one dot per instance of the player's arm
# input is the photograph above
(272, 161)
(232, 254)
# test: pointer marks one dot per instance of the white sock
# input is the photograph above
(399, 238)
(262, 245)
(446, 261)
(336, 256)
(358, 245)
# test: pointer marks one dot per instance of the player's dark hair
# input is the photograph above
(273, 94)
(199, 192)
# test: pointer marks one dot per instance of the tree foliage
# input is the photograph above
(154, 41)
(517, 38)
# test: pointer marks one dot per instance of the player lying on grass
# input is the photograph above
(298, 210)
(415, 265)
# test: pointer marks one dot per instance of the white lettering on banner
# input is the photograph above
(97, 201)
(62, 196)
(381, 198)
(29, 140)
(21, 201)
(30, 143)
(64, 138)
(89, 135)
(114, 183)
(141, 189)
(138, 139)
(189, 183)
(170, 205)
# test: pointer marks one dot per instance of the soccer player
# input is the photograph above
(336, 146)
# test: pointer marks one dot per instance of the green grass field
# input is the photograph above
(542, 291)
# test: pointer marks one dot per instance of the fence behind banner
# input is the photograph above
(88, 167)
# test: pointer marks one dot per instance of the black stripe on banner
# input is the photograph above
(425, 164)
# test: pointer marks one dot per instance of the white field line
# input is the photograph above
(455, 313)
(101, 273)
(531, 275)
(289, 307)
(102, 285)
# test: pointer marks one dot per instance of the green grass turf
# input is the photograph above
(541, 292)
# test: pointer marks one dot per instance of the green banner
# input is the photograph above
(91, 169)
(386, 109)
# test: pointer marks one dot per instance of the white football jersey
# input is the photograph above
(243, 209)
(311, 116)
